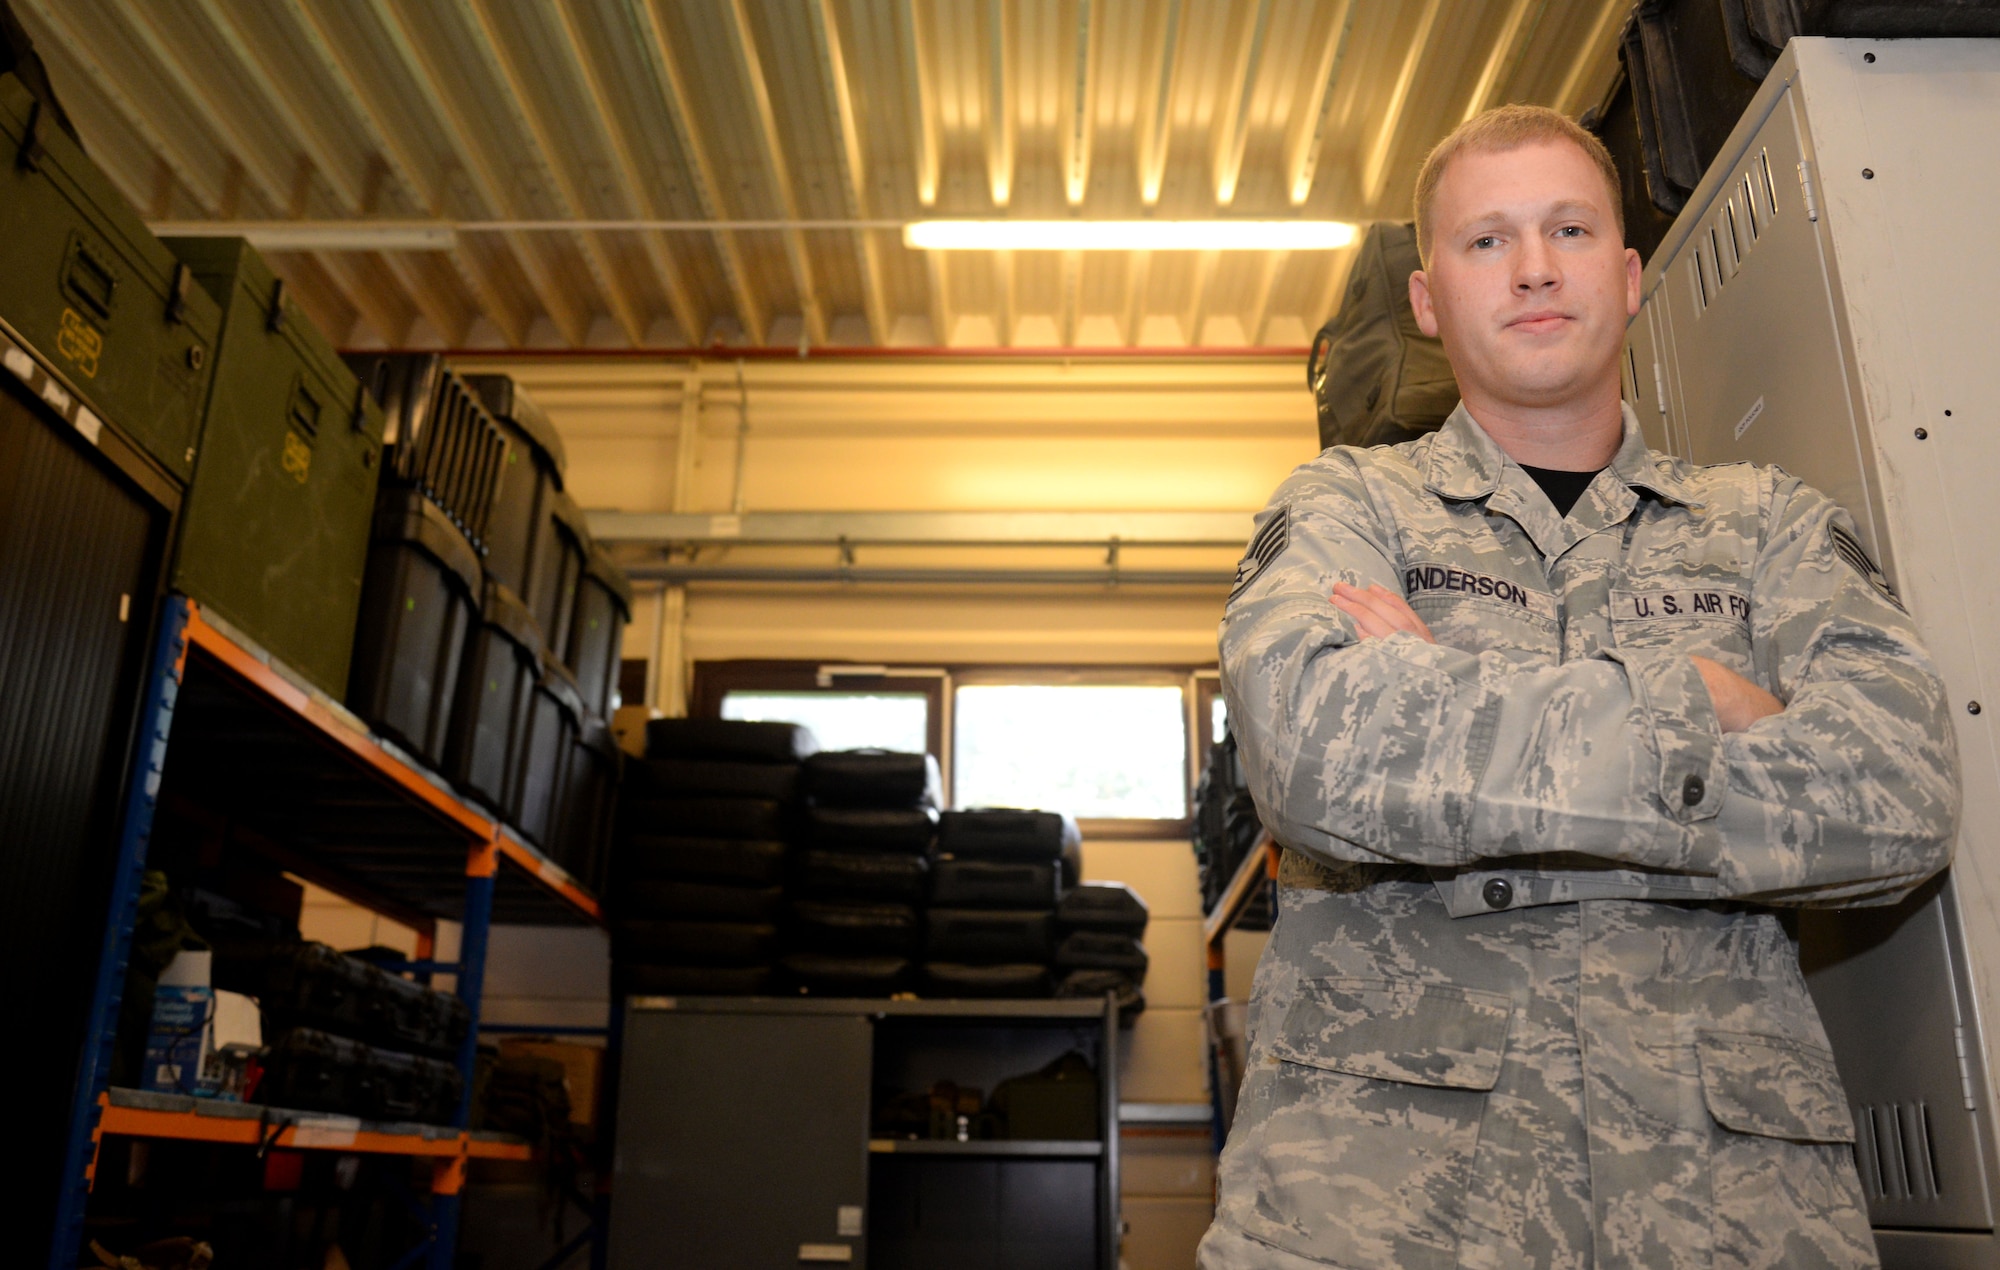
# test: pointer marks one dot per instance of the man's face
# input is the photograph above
(1529, 284)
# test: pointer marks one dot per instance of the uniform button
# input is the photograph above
(1693, 789)
(1498, 893)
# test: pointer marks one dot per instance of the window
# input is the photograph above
(842, 720)
(1096, 751)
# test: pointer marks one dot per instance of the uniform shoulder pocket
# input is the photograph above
(1773, 1087)
(1385, 1029)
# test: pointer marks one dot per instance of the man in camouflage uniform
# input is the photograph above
(1546, 778)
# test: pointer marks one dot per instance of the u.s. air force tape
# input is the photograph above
(1267, 546)
(1848, 548)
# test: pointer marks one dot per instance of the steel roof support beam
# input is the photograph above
(919, 101)
(750, 65)
(652, 43)
(1505, 54)
(1156, 121)
(854, 186)
(1001, 122)
(1232, 129)
(1080, 116)
(1308, 137)
(1375, 168)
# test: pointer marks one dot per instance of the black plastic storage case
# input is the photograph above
(541, 760)
(555, 568)
(496, 682)
(438, 437)
(872, 778)
(530, 475)
(274, 532)
(90, 288)
(419, 600)
(597, 630)
(590, 799)
(309, 1070)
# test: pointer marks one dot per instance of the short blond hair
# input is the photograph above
(1504, 128)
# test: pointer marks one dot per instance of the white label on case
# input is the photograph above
(847, 1221)
(328, 1131)
(826, 1252)
(19, 362)
(88, 424)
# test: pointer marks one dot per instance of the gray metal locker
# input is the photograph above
(1827, 302)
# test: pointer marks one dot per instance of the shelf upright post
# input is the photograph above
(482, 863)
(149, 759)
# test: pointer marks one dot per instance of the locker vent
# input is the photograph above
(1893, 1151)
(1770, 186)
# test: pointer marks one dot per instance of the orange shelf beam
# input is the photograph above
(311, 1133)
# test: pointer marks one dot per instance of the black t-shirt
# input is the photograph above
(1563, 488)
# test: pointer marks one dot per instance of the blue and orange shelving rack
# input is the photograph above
(346, 810)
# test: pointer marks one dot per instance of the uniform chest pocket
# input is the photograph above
(1368, 1119)
(1483, 612)
(1713, 621)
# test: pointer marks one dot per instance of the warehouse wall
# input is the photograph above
(876, 435)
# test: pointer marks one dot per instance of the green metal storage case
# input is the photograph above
(86, 282)
(274, 534)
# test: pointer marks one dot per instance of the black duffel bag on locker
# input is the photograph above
(988, 934)
(704, 778)
(1376, 379)
(1110, 906)
(733, 740)
(682, 942)
(1101, 950)
(872, 778)
(955, 979)
(835, 975)
(905, 829)
(741, 862)
(1004, 833)
(829, 926)
(960, 883)
(861, 875)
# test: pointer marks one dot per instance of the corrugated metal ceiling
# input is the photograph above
(797, 111)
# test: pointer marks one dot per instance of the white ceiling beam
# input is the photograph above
(1260, 300)
(1138, 273)
(1505, 54)
(919, 104)
(1156, 123)
(497, 306)
(544, 152)
(1072, 295)
(576, 62)
(854, 186)
(1588, 74)
(1232, 125)
(390, 324)
(652, 45)
(938, 297)
(1000, 123)
(1308, 130)
(1006, 275)
(450, 323)
(1375, 168)
(570, 319)
(750, 65)
(1080, 116)
(1191, 316)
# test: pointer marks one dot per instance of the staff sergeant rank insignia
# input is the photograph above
(1849, 549)
(1268, 545)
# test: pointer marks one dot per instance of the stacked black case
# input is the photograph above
(855, 919)
(704, 835)
(991, 928)
(1100, 948)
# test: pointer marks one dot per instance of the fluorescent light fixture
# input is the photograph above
(323, 235)
(1128, 235)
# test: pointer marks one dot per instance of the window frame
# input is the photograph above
(1199, 685)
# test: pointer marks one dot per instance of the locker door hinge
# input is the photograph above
(1660, 388)
(1964, 1069)
(1809, 189)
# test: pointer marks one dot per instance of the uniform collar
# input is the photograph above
(1465, 464)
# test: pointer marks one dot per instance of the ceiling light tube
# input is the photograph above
(1128, 235)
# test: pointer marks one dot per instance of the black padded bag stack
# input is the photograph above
(1101, 928)
(991, 929)
(704, 833)
(856, 918)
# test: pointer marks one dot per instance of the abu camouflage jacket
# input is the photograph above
(1528, 1002)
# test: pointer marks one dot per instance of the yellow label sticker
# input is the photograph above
(80, 342)
(297, 458)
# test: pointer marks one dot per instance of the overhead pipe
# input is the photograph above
(686, 575)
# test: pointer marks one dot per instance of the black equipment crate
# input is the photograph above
(496, 680)
(735, 740)
(898, 829)
(274, 532)
(91, 288)
(858, 929)
(554, 718)
(590, 799)
(1102, 950)
(693, 943)
(890, 876)
(597, 630)
(438, 437)
(872, 778)
(731, 860)
(699, 778)
(562, 545)
(957, 883)
(707, 901)
(992, 935)
(419, 600)
(830, 975)
(310, 985)
(1006, 979)
(530, 475)
(308, 1070)
(1109, 906)
(998, 833)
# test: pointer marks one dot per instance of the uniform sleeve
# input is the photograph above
(1851, 794)
(1398, 749)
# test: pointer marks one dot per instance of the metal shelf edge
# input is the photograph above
(305, 1131)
